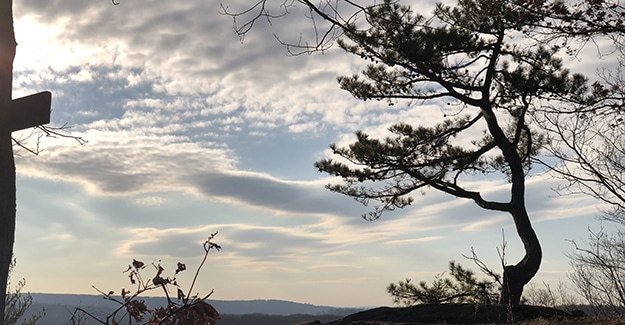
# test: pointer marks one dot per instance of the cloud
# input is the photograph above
(164, 105)
(281, 196)
(117, 163)
(150, 200)
(167, 49)
(260, 247)
(413, 240)
(126, 163)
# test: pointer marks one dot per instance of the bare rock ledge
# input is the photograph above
(450, 314)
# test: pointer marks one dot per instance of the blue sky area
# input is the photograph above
(191, 131)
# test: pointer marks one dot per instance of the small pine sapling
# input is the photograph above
(461, 287)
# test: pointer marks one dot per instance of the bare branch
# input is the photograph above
(192, 308)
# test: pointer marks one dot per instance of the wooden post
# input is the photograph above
(7, 164)
(14, 115)
(30, 111)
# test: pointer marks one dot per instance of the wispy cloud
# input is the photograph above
(413, 240)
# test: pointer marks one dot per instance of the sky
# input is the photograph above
(191, 131)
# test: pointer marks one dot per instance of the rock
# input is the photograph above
(449, 314)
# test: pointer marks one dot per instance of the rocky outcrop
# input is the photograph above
(449, 314)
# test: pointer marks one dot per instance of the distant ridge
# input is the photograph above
(60, 306)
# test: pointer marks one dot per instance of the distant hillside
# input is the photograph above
(59, 308)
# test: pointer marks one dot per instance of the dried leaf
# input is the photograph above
(159, 280)
(181, 267)
(159, 269)
(137, 264)
(137, 309)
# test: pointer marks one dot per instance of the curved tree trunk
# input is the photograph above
(515, 277)
(7, 164)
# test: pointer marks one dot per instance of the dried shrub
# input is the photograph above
(184, 309)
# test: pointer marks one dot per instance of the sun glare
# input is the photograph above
(34, 44)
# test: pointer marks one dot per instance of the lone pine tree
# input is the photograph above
(485, 58)
(465, 55)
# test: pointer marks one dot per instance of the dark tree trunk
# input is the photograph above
(515, 277)
(7, 164)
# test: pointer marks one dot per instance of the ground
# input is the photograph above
(470, 314)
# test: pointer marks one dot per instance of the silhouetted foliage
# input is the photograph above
(562, 297)
(461, 287)
(185, 309)
(589, 139)
(599, 268)
(583, 20)
(495, 63)
(589, 142)
(18, 302)
(461, 54)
